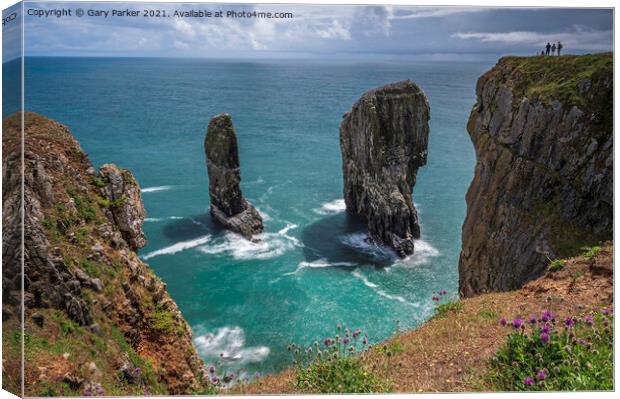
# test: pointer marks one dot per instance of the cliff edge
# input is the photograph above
(97, 319)
(542, 129)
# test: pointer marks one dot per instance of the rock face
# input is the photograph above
(83, 280)
(384, 140)
(543, 184)
(227, 203)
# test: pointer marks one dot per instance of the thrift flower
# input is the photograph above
(517, 324)
(528, 381)
(589, 320)
(215, 380)
(212, 369)
(546, 328)
(544, 337)
(541, 375)
(345, 340)
(569, 321)
(503, 321)
(547, 316)
(257, 374)
(533, 319)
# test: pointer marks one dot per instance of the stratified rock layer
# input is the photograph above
(85, 289)
(384, 140)
(543, 184)
(227, 203)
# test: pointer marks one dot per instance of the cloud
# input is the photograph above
(431, 12)
(579, 38)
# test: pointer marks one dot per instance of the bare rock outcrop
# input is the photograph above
(228, 206)
(543, 184)
(384, 140)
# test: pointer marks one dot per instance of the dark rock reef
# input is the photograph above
(227, 203)
(85, 289)
(384, 140)
(543, 185)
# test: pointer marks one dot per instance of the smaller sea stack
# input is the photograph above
(228, 206)
(384, 140)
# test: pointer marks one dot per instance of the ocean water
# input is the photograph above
(312, 269)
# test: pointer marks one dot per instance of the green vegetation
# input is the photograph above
(551, 78)
(338, 366)
(98, 181)
(574, 354)
(444, 309)
(83, 205)
(556, 265)
(589, 252)
(487, 314)
(66, 325)
(162, 320)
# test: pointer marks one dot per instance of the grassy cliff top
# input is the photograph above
(567, 78)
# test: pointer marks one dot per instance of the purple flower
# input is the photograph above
(541, 375)
(215, 380)
(517, 324)
(528, 381)
(546, 328)
(257, 374)
(607, 311)
(364, 340)
(569, 321)
(589, 320)
(582, 341)
(533, 319)
(212, 369)
(503, 321)
(356, 333)
(544, 337)
(435, 298)
(345, 340)
(327, 341)
(547, 316)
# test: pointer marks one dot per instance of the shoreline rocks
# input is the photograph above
(228, 206)
(384, 140)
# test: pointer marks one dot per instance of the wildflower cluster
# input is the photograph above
(335, 364)
(437, 295)
(546, 352)
(445, 304)
(93, 390)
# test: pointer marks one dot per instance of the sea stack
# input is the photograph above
(228, 206)
(384, 140)
(543, 184)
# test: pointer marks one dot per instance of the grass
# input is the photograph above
(98, 181)
(487, 314)
(550, 355)
(162, 320)
(444, 309)
(556, 265)
(590, 252)
(83, 205)
(66, 325)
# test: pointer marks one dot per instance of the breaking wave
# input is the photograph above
(152, 220)
(318, 264)
(361, 242)
(228, 345)
(155, 189)
(178, 247)
(271, 245)
(380, 292)
(422, 253)
(332, 207)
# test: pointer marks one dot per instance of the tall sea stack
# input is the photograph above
(384, 140)
(227, 203)
(542, 129)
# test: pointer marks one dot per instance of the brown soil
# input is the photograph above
(451, 352)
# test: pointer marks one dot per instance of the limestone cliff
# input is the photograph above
(542, 129)
(228, 206)
(384, 141)
(96, 317)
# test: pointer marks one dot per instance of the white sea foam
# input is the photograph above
(271, 245)
(152, 220)
(423, 251)
(264, 215)
(318, 264)
(178, 247)
(228, 344)
(357, 274)
(331, 207)
(155, 189)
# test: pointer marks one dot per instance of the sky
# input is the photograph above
(315, 31)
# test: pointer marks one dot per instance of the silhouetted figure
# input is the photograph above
(553, 49)
(542, 53)
(559, 47)
(548, 47)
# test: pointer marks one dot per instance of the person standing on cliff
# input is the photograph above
(548, 48)
(559, 47)
(553, 49)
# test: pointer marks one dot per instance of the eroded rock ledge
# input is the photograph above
(543, 184)
(228, 206)
(384, 140)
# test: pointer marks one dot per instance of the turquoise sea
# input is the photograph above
(312, 269)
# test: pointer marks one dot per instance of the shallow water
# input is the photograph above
(312, 268)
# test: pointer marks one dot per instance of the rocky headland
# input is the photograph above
(384, 140)
(97, 319)
(542, 129)
(228, 206)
